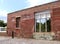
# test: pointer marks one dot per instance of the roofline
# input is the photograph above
(33, 7)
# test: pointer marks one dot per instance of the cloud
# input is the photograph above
(32, 3)
(3, 18)
(3, 15)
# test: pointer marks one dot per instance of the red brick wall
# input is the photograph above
(56, 22)
(26, 28)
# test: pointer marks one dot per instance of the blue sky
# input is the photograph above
(8, 6)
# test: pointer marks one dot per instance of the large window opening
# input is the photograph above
(43, 21)
(17, 21)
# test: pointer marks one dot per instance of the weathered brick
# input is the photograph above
(27, 24)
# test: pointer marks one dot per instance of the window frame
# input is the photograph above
(48, 12)
(18, 22)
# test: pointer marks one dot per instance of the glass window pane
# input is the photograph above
(38, 20)
(37, 27)
(43, 15)
(43, 21)
(48, 15)
(37, 16)
(48, 24)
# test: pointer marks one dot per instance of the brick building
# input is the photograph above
(41, 19)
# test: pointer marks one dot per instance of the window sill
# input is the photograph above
(18, 28)
(52, 33)
(42, 32)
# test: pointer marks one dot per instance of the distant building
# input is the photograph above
(41, 19)
(3, 31)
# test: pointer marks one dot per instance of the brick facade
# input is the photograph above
(27, 24)
(56, 22)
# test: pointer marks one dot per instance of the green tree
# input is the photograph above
(2, 24)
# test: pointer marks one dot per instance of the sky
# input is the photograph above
(8, 6)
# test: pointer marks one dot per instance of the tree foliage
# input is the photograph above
(2, 24)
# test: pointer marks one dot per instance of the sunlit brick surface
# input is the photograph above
(27, 28)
